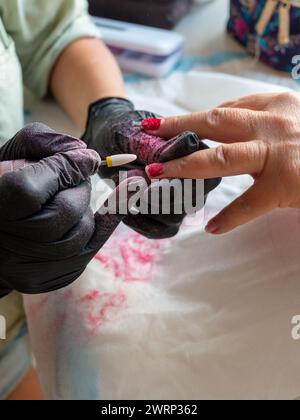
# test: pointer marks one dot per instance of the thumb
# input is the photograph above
(24, 192)
(255, 202)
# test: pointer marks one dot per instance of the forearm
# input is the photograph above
(85, 72)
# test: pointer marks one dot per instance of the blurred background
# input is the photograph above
(160, 13)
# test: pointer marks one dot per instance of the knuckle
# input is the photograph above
(283, 124)
(214, 116)
(222, 156)
(253, 121)
(257, 150)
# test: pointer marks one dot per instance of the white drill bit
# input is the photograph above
(118, 160)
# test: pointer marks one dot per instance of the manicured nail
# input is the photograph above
(155, 170)
(213, 227)
(151, 124)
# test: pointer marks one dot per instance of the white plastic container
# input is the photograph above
(141, 49)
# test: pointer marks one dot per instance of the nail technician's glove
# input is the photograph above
(114, 127)
(48, 233)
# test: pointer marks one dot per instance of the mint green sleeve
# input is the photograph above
(41, 30)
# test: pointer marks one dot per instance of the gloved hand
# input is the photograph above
(48, 233)
(115, 127)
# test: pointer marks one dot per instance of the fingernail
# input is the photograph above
(213, 227)
(151, 124)
(155, 170)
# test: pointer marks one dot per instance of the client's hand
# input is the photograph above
(262, 133)
(114, 127)
(48, 233)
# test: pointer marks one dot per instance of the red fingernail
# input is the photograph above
(156, 169)
(212, 227)
(151, 124)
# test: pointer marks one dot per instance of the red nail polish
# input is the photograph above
(156, 169)
(151, 124)
(212, 227)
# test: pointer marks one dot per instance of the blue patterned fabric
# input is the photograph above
(278, 43)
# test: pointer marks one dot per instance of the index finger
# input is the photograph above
(226, 125)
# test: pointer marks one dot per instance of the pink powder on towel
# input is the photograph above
(110, 305)
(90, 296)
(97, 307)
(131, 257)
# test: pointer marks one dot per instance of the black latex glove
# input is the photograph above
(114, 127)
(48, 233)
